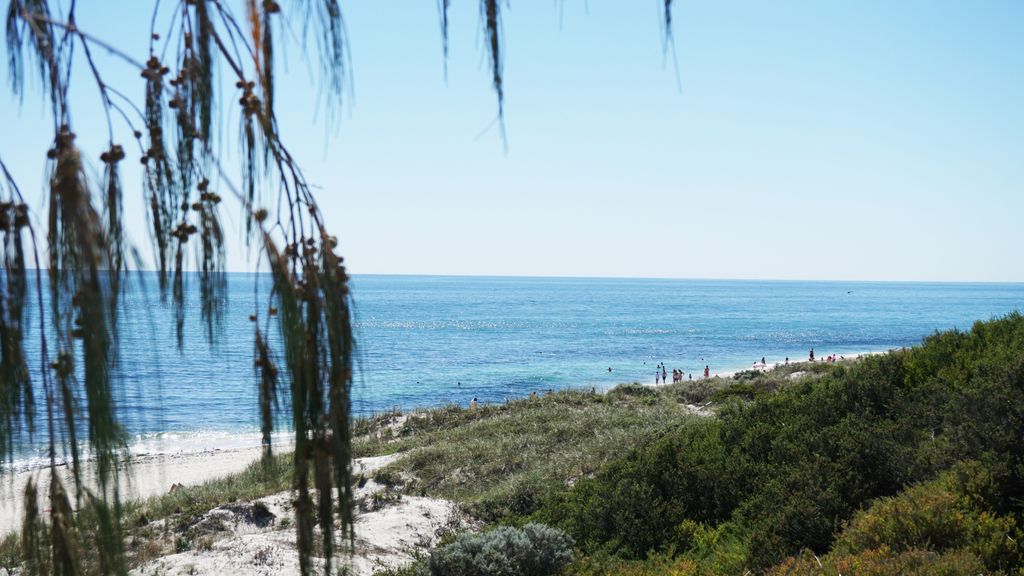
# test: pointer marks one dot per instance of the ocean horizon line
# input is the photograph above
(643, 278)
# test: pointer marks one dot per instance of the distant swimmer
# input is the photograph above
(609, 368)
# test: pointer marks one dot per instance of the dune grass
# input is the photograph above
(256, 481)
(501, 461)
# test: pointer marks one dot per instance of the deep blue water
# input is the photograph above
(428, 341)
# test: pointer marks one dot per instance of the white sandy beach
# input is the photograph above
(389, 535)
(149, 476)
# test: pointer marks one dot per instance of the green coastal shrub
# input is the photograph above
(625, 392)
(655, 565)
(534, 550)
(884, 562)
(502, 467)
(789, 470)
(742, 390)
(693, 391)
(634, 505)
(941, 515)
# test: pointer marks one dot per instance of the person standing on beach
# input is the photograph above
(707, 372)
(812, 354)
(664, 374)
(657, 377)
(472, 405)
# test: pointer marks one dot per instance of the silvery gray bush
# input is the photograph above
(534, 550)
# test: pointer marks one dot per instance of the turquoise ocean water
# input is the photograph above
(428, 341)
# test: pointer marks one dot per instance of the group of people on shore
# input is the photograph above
(661, 374)
(830, 359)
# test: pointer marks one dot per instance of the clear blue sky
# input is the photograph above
(867, 140)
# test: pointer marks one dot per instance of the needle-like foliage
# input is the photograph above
(17, 406)
(208, 55)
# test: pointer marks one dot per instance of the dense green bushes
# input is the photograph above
(945, 526)
(882, 562)
(656, 565)
(951, 513)
(787, 471)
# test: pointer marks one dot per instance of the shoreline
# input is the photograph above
(769, 366)
(149, 475)
(154, 473)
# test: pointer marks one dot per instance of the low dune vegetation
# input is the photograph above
(910, 462)
(830, 466)
(502, 461)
